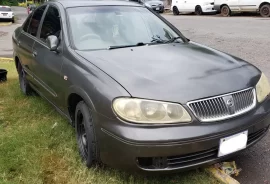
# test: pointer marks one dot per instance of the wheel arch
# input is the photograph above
(264, 3)
(224, 5)
(17, 62)
(77, 94)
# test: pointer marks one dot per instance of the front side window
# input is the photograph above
(35, 21)
(51, 24)
(108, 26)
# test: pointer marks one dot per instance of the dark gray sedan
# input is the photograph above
(140, 95)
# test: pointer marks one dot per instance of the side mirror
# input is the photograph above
(52, 42)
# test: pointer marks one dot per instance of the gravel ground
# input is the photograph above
(248, 38)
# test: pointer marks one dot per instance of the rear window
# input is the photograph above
(5, 9)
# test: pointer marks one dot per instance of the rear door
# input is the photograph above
(180, 5)
(26, 41)
(47, 66)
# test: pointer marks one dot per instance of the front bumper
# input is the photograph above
(208, 9)
(158, 8)
(172, 148)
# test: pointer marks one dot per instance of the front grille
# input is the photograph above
(224, 106)
(186, 160)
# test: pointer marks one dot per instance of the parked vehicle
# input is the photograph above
(140, 95)
(192, 6)
(226, 7)
(6, 13)
(156, 5)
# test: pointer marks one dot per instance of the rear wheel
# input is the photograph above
(225, 11)
(198, 10)
(85, 133)
(175, 10)
(24, 84)
(265, 10)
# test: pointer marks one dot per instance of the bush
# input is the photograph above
(9, 2)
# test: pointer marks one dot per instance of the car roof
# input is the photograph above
(4, 6)
(81, 3)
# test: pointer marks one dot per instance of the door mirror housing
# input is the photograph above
(52, 42)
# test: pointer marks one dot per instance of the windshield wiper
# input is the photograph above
(173, 39)
(157, 39)
(125, 46)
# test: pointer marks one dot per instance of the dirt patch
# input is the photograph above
(54, 169)
(2, 33)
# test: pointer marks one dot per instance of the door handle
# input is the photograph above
(34, 53)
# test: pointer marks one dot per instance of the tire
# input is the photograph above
(265, 10)
(162, 11)
(175, 10)
(85, 134)
(225, 11)
(24, 84)
(198, 10)
(12, 20)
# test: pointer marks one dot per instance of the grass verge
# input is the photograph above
(38, 146)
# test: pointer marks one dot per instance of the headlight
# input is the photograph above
(148, 111)
(262, 88)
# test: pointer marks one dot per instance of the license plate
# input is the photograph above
(233, 143)
(157, 8)
(4, 14)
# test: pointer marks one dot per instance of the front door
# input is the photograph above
(48, 64)
(249, 5)
(190, 5)
(233, 4)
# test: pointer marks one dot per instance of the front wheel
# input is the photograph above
(198, 10)
(85, 133)
(175, 10)
(265, 10)
(225, 11)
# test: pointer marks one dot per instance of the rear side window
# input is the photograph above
(35, 21)
(51, 24)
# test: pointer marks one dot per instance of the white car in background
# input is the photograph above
(226, 7)
(6, 13)
(198, 7)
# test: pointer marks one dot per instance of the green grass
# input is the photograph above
(38, 146)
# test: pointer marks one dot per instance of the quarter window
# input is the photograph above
(35, 21)
(51, 24)
(26, 25)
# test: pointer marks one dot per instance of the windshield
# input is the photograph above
(109, 26)
(5, 9)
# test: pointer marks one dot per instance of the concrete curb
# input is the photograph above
(4, 59)
(5, 23)
(221, 175)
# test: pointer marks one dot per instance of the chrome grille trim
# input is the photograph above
(215, 108)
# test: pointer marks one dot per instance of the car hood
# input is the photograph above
(150, 3)
(174, 72)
